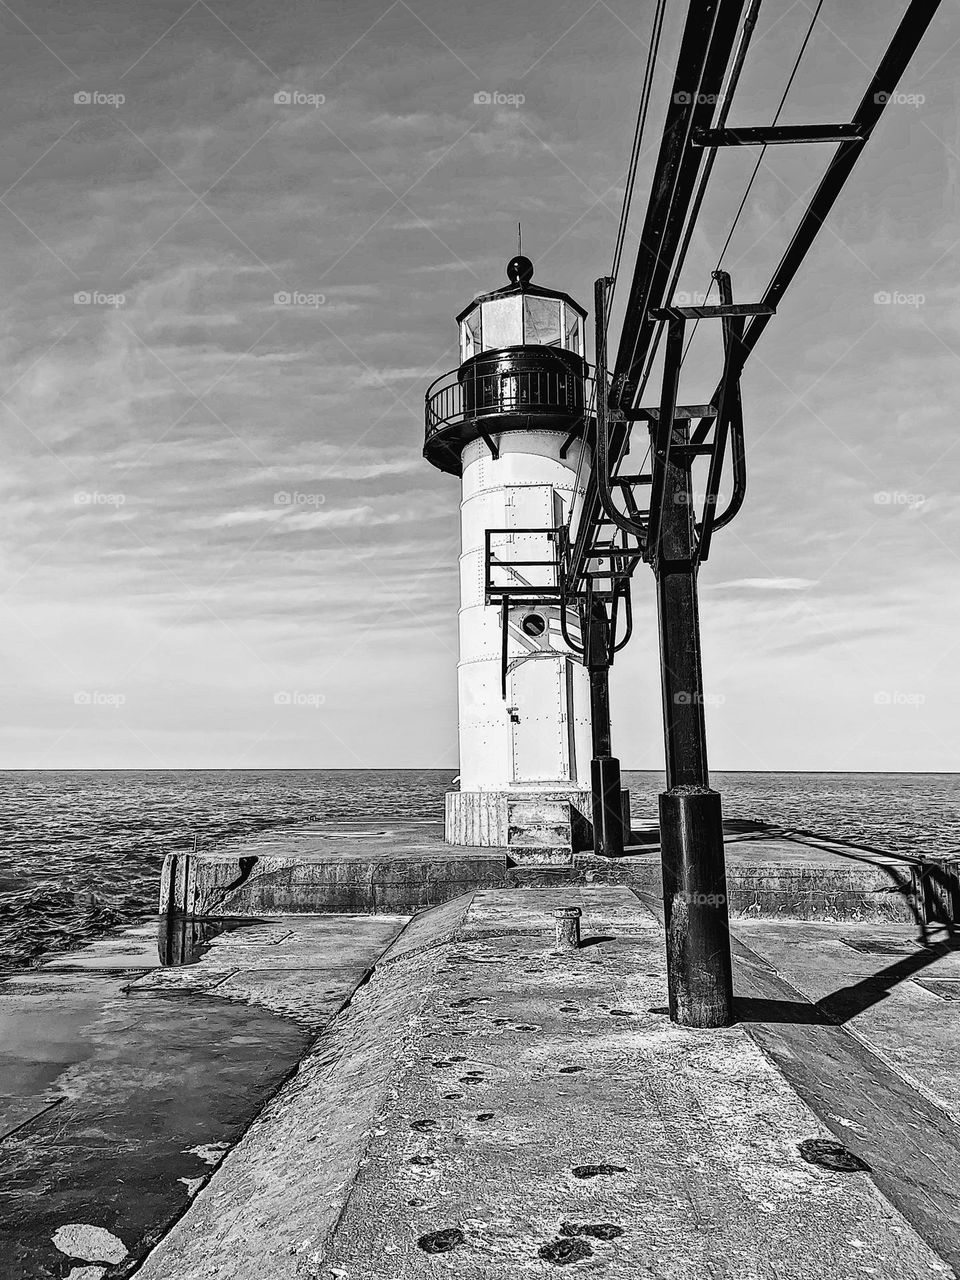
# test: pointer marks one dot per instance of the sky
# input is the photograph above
(234, 238)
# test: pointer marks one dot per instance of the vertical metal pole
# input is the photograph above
(504, 644)
(605, 783)
(699, 973)
(604, 767)
(661, 433)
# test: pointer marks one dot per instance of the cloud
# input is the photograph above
(764, 584)
(198, 398)
(289, 517)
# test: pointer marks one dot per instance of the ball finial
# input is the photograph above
(520, 270)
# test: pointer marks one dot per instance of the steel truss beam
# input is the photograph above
(705, 50)
(692, 852)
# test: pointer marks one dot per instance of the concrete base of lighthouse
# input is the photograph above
(536, 827)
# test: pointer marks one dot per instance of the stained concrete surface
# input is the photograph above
(695, 1134)
(487, 1109)
(879, 1060)
(889, 1120)
(335, 866)
(477, 1096)
(271, 1211)
(122, 1083)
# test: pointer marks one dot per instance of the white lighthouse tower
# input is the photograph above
(511, 422)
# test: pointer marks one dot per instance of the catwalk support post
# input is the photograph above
(608, 834)
(691, 832)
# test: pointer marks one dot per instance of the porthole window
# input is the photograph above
(534, 624)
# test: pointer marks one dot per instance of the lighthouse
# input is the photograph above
(512, 421)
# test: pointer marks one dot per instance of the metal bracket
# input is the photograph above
(715, 312)
(682, 411)
(576, 432)
(489, 442)
(775, 135)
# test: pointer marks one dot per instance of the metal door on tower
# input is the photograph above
(529, 507)
(540, 720)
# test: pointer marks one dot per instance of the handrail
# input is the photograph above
(549, 391)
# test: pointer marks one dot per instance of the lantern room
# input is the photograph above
(520, 315)
(522, 366)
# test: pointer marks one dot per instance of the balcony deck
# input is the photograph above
(495, 395)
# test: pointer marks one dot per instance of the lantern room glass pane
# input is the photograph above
(470, 335)
(541, 321)
(502, 323)
(573, 331)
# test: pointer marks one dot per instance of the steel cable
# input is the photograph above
(756, 168)
(635, 149)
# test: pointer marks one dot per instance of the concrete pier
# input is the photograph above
(281, 1089)
(488, 1107)
(404, 866)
